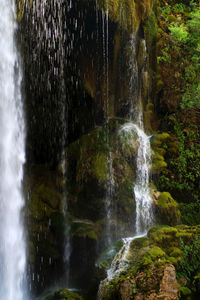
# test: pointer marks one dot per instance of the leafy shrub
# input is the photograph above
(183, 27)
(189, 265)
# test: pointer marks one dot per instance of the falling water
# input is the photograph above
(143, 199)
(110, 178)
(50, 26)
(144, 217)
(12, 157)
(108, 200)
(120, 261)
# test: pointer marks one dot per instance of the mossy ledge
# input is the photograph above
(62, 294)
(159, 266)
(127, 13)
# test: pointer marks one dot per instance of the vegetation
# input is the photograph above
(183, 37)
(148, 258)
(62, 295)
(183, 172)
(190, 262)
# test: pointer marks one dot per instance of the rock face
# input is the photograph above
(85, 67)
(129, 13)
(169, 285)
(163, 278)
(46, 225)
(166, 209)
(157, 267)
(78, 94)
(63, 294)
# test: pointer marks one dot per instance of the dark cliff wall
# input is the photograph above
(83, 75)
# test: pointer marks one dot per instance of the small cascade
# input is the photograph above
(134, 130)
(109, 197)
(133, 78)
(110, 179)
(120, 261)
(50, 33)
(144, 217)
(12, 158)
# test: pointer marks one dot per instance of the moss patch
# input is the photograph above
(149, 257)
(62, 295)
(127, 13)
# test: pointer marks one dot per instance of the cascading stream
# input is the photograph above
(143, 199)
(144, 218)
(12, 158)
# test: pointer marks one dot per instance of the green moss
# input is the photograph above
(63, 294)
(148, 113)
(175, 252)
(127, 13)
(129, 142)
(158, 163)
(99, 167)
(20, 8)
(152, 254)
(122, 12)
(165, 200)
(150, 30)
(159, 144)
(184, 291)
(167, 209)
(140, 242)
(37, 208)
(48, 195)
(90, 161)
(84, 228)
(125, 199)
(106, 258)
(43, 201)
(66, 294)
(163, 236)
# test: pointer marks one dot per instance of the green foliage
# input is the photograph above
(62, 295)
(180, 33)
(183, 41)
(190, 263)
(190, 213)
(185, 166)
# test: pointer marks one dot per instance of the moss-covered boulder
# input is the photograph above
(167, 211)
(62, 294)
(101, 165)
(46, 224)
(127, 13)
(102, 161)
(105, 259)
(158, 144)
(158, 266)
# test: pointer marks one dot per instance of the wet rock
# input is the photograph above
(169, 289)
(166, 208)
(46, 225)
(128, 14)
(153, 263)
(63, 294)
(102, 159)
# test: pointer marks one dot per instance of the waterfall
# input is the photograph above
(12, 157)
(144, 218)
(134, 130)
(141, 190)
